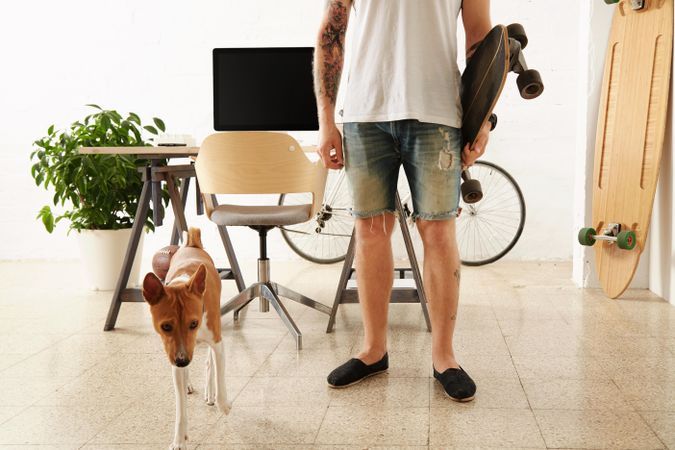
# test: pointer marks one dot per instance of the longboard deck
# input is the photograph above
(630, 134)
(483, 81)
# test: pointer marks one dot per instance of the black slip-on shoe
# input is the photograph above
(356, 370)
(457, 384)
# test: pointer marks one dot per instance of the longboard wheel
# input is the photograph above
(517, 32)
(586, 236)
(626, 240)
(530, 84)
(472, 191)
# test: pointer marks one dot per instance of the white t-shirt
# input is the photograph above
(404, 62)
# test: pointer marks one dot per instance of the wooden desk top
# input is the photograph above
(156, 152)
(143, 151)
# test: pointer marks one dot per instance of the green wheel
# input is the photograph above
(611, 2)
(626, 240)
(586, 236)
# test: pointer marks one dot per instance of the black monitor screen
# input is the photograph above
(264, 89)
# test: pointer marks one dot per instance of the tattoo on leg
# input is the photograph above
(332, 43)
(453, 317)
(458, 275)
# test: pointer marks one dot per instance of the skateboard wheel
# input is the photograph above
(530, 84)
(472, 191)
(517, 32)
(586, 236)
(626, 240)
(493, 121)
(611, 2)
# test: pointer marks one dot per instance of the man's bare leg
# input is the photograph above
(441, 283)
(375, 277)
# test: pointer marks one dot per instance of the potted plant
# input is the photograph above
(97, 194)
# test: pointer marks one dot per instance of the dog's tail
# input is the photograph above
(193, 238)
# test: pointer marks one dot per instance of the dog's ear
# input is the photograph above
(153, 289)
(198, 280)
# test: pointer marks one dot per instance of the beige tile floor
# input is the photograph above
(556, 367)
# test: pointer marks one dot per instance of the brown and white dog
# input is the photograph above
(186, 311)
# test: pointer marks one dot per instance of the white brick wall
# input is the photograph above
(153, 58)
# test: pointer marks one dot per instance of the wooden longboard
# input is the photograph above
(631, 128)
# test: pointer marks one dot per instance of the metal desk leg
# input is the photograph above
(176, 205)
(404, 295)
(344, 279)
(132, 247)
(176, 234)
(410, 248)
(199, 200)
(157, 205)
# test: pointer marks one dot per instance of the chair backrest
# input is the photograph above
(245, 162)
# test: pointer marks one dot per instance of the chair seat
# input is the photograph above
(243, 215)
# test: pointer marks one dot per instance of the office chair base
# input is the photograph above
(270, 292)
(263, 277)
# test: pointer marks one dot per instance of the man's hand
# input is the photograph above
(330, 147)
(472, 152)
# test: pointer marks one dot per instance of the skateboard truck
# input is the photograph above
(529, 80)
(625, 240)
(471, 189)
(472, 192)
(636, 5)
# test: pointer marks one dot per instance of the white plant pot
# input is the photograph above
(102, 253)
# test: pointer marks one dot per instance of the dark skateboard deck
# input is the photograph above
(483, 81)
(499, 53)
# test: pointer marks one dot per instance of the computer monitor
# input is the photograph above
(268, 89)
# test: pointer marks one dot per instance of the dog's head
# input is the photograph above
(177, 312)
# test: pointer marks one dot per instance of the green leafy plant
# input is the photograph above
(98, 192)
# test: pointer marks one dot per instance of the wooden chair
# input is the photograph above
(260, 163)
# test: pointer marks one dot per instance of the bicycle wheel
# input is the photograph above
(325, 238)
(488, 230)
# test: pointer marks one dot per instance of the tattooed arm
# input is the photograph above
(328, 62)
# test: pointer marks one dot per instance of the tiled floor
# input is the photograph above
(556, 367)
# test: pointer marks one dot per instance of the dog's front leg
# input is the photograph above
(188, 386)
(180, 388)
(210, 383)
(221, 392)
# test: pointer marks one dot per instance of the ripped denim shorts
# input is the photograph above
(430, 155)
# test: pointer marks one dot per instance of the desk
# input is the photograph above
(154, 173)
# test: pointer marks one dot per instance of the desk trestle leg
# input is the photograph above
(132, 247)
(399, 295)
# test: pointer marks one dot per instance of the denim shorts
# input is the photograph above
(430, 155)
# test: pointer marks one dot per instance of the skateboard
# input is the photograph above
(500, 52)
(629, 138)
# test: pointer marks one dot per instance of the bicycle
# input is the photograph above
(486, 230)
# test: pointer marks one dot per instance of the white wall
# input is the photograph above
(594, 24)
(662, 252)
(153, 57)
(535, 139)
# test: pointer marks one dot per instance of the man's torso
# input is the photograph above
(404, 62)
